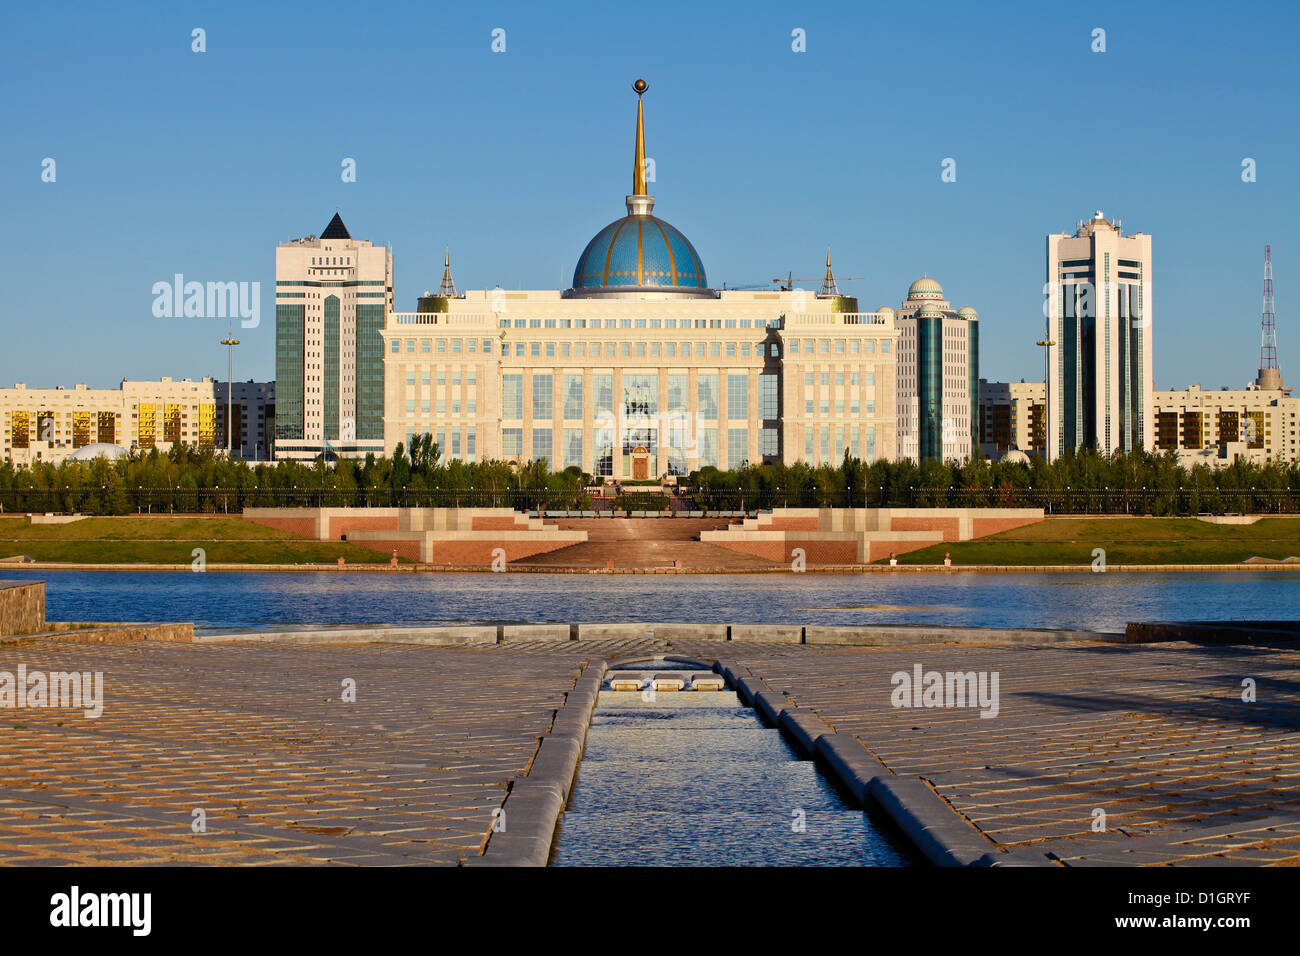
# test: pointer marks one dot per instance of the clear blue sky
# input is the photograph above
(170, 161)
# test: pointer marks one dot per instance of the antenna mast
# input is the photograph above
(1270, 376)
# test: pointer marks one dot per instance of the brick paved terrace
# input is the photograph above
(1155, 736)
(258, 737)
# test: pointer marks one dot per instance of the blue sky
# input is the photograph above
(172, 161)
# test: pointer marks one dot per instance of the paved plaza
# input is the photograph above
(1156, 737)
(258, 737)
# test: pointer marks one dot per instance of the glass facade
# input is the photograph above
(737, 447)
(640, 394)
(738, 397)
(18, 430)
(172, 423)
(708, 444)
(146, 435)
(290, 355)
(573, 398)
(678, 398)
(602, 399)
(543, 397)
(572, 447)
(769, 407)
(370, 373)
(542, 450)
(1068, 366)
(512, 397)
(603, 450)
(330, 369)
(81, 429)
(207, 425)
(973, 340)
(929, 364)
(707, 398)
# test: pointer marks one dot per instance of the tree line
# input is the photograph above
(189, 480)
(1083, 482)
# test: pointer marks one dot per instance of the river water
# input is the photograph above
(264, 599)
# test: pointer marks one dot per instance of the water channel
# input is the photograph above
(694, 778)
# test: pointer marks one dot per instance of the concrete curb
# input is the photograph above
(749, 688)
(852, 763)
(943, 837)
(537, 632)
(526, 840)
(617, 632)
(903, 634)
(822, 635)
(704, 632)
(535, 803)
(771, 705)
(768, 633)
(108, 633)
(1213, 632)
(468, 635)
(938, 832)
(805, 727)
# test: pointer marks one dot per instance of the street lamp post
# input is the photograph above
(1047, 342)
(229, 342)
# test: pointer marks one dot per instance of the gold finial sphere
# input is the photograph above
(640, 86)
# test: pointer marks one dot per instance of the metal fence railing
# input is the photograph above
(119, 499)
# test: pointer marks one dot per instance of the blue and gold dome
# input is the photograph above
(640, 252)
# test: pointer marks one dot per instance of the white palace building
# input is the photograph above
(640, 370)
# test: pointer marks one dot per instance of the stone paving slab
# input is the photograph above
(1157, 737)
(256, 734)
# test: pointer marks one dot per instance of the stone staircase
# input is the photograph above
(862, 535)
(465, 536)
(643, 543)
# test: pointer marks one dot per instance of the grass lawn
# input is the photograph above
(1125, 541)
(136, 539)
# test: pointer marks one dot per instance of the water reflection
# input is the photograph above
(269, 599)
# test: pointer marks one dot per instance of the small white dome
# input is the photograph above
(99, 450)
(925, 288)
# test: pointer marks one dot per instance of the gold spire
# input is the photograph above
(448, 288)
(828, 284)
(638, 171)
